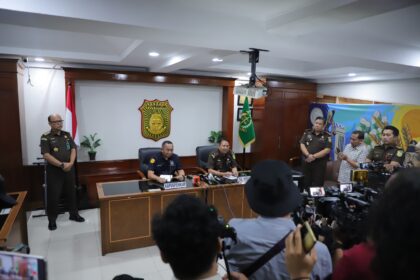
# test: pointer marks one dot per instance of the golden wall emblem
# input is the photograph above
(155, 119)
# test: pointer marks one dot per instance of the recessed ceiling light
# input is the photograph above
(153, 54)
(351, 74)
(216, 59)
(39, 59)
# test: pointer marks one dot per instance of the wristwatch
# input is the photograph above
(62, 165)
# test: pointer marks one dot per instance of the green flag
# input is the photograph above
(246, 126)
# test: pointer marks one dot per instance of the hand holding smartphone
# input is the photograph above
(308, 237)
(298, 262)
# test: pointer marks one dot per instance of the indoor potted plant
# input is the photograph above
(215, 136)
(91, 143)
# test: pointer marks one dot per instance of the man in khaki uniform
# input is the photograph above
(389, 153)
(59, 150)
(315, 145)
(222, 162)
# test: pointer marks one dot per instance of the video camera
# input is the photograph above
(373, 165)
(340, 212)
(224, 229)
(377, 173)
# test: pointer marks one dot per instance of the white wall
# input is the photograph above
(111, 110)
(36, 102)
(394, 91)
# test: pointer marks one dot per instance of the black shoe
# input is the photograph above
(77, 218)
(52, 225)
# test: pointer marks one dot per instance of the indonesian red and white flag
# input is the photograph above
(70, 121)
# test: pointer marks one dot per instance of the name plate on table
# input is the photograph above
(174, 185)
(243, 179)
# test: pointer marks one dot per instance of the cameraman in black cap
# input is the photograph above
(272, 194)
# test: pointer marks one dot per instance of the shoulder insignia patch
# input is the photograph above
(152, 160)
(400, 153)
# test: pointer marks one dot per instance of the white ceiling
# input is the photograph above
(323, 40)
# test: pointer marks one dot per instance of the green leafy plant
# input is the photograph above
(215, 136)
(91, 143)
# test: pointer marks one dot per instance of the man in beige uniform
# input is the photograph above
(59, 150)
(315, 145)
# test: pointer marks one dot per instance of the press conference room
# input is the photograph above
(115, 112)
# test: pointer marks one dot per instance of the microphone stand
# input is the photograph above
(44, 185)
(224, 248)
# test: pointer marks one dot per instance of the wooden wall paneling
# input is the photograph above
(267, 143)
(284, 118)
(345, 100)
(326, 99)
(294, 121)
(227, 113)
(11, 167)
(74, 74)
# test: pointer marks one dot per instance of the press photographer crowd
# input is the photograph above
(363, 228)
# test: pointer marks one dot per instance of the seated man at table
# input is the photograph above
(165, 163)
(222, 162)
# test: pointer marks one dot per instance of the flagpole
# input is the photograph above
(243, 158)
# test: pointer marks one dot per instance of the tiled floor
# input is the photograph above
(73, 251)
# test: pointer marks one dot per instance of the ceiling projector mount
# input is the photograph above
(251, 89)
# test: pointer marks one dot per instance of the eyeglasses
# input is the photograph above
(57, 121)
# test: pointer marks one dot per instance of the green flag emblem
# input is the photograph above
(246, 126)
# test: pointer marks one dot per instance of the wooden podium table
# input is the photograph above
(127, 209)
(13, 228)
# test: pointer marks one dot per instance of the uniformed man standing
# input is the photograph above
(389, 153)
(59, 150)
(165, 163)
(222, 162)
(315, 145)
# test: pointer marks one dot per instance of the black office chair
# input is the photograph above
(144, 157)
(202, 155)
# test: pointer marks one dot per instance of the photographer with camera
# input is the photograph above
(388, 152)
(272, 194)
(188, 236)
(354, 153)
(391, 251)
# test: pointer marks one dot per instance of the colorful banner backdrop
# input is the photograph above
(342, 119)
(155, 119)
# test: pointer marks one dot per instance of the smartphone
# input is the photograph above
(346, 188)
(317, 191)
(308, 237)
(21, 266)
